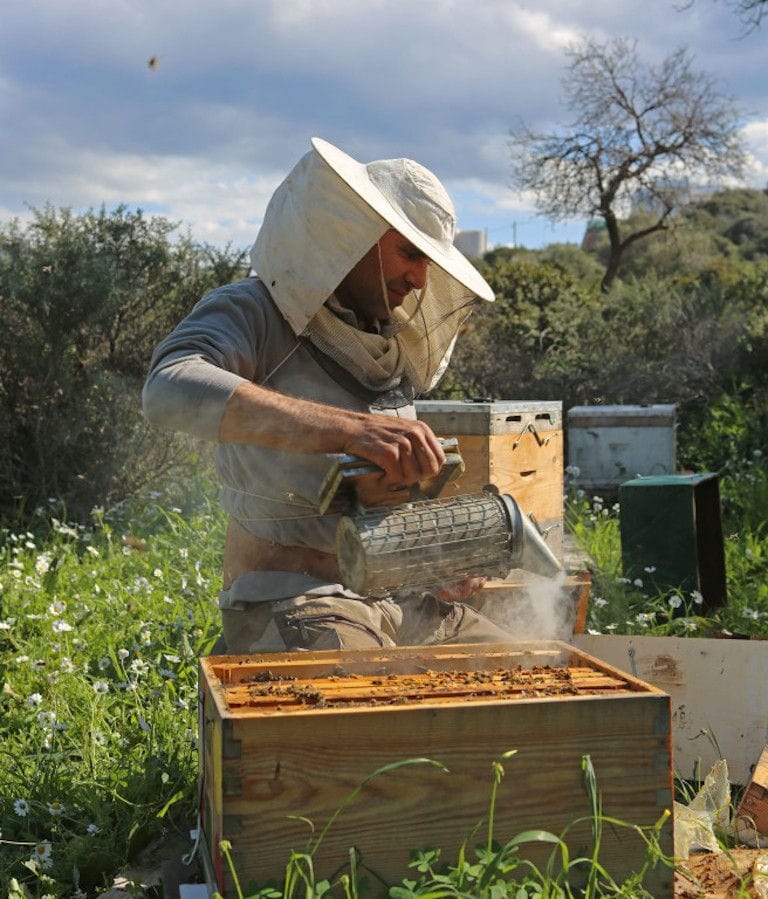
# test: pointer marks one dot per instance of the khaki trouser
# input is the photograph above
(337, 622)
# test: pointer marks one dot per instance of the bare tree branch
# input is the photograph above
(641, 135)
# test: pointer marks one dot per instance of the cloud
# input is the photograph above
(240, 87)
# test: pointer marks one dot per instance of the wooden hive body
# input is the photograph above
(261, 765)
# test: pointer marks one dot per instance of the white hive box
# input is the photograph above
(612, 444)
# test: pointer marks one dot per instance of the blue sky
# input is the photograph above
(238, 88)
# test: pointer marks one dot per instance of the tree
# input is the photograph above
(642, 137)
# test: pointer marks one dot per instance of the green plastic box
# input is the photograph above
(672, 537)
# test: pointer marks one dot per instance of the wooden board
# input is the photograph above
(717, 688)
(753, 807)
(261, 767)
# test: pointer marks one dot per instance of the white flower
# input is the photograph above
(42, 854)
(21, 807)
(43, 563)
(650, 569)
(638, 582)
(599, 602)
(56, 808)
(5, 626)
(92, 550)
(46, 719)
(100, 686)
(139, 667)
(66, 666)
(93, 829)
(61, 627)
(157, 572)
(675, 601)
(57, 607)
(122, 653)
(34, 700)
(697, 597)
(20, 660)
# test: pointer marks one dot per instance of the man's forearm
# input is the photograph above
(405, 449)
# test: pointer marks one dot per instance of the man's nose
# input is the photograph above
(417, 274)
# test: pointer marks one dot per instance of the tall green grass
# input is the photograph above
(100, 631)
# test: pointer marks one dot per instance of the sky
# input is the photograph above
(195, 110)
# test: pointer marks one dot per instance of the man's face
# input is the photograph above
(403, 269)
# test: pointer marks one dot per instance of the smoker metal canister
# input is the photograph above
(429, 543)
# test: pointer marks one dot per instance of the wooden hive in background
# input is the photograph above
(295, 734)
(516, 446)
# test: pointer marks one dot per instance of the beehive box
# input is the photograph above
(516, 446)
(611, 444)
(289, 735)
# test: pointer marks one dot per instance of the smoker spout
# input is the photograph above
(528, 549)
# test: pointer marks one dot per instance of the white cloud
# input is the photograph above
(240, 87)
(756, 140)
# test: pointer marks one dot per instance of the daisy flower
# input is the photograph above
(42, 854)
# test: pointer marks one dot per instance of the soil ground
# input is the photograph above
(720, 875)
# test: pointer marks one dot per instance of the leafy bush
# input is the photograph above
(83, 301)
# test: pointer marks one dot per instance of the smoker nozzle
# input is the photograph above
(528, 548)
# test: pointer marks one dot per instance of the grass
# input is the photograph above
(101, 627)
(100, 631)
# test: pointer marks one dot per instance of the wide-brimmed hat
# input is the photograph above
(414, 202)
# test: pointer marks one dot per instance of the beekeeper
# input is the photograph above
(352, 309)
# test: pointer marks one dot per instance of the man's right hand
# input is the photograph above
(407, 450)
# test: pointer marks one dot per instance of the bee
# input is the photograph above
(152, 62)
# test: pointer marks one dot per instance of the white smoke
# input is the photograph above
(532, 608)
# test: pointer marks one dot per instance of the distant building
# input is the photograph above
(472, 243)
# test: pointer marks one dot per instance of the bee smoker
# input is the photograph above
(439, 541)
